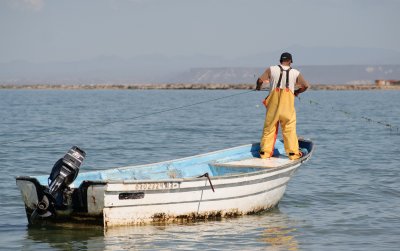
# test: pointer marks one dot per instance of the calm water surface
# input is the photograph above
(347, 197)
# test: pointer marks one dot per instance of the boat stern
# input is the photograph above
(31, 191)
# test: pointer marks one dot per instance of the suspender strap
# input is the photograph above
(278, 85)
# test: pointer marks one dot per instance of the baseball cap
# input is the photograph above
(286, 56)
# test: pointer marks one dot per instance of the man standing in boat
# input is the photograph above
(286, 83)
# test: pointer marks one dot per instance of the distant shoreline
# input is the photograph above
(187, 86)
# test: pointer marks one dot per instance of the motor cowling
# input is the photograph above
(63, 173)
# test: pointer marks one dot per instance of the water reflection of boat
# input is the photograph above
(66, 237)
(271, 230)
(219, 184)
(282, 238)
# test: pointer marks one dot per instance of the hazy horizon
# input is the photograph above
(158, 40)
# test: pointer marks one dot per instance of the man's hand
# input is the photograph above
(300, 90)
(259, 84)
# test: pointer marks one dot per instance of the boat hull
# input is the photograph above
(195, 199)
(132, 202)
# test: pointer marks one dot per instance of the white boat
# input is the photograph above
(223, 183)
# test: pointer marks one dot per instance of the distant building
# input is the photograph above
(381, 82)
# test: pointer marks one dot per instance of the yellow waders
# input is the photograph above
(280, 109)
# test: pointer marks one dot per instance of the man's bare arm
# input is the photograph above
(263, 78)
(301, 85)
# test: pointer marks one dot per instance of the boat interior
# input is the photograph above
(237, 160)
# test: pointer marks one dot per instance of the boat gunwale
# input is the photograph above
(221, 177)
(239, 175)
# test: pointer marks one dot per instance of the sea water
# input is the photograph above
(347, 197)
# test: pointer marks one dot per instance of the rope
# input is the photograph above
(387, 125)
(311, 102)
(127, 119)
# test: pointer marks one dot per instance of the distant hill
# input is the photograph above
(324, 65)
(326, 74)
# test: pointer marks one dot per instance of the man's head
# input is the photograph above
(286, 57)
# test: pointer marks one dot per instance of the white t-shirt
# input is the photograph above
(274, 78)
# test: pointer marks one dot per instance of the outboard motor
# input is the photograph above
(63, 173)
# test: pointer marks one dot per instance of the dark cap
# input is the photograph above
(286, 56)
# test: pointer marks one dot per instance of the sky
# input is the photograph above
(43, 31)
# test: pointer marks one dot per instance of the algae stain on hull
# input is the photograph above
(209, 215)
(165, 218)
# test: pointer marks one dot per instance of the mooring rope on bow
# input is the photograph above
(126, 119)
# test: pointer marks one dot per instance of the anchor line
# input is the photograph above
(386, 124)
(202, 191)
(127, 119)
(209, 180)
